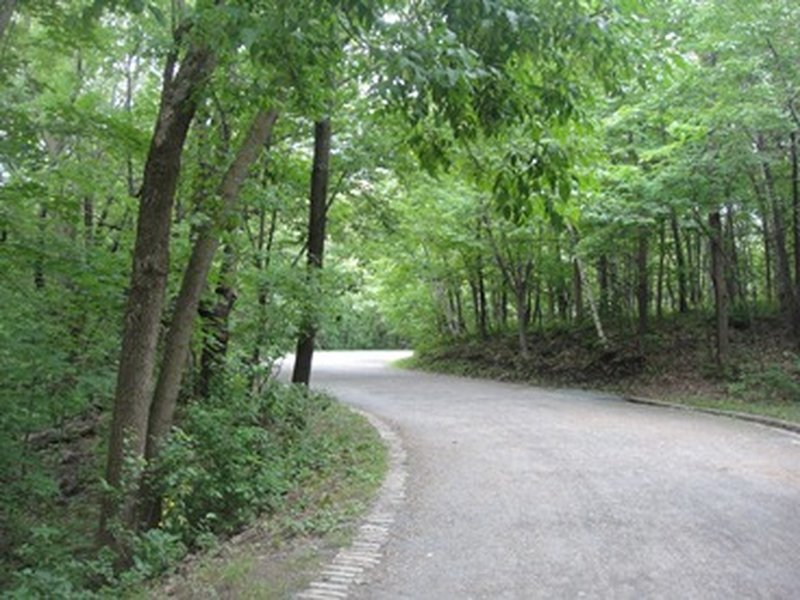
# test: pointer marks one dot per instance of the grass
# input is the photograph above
(279, 556)
(773, 409)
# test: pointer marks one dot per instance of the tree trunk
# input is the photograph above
(484, 325)
(642, 283)
(134, 386)
(766, 237)
(733, 275)
(602, 282)
(577, 286)
(662, 253)
(683, 305)
(596, 317)
(476, 310)
(195, 277)
(782, 269)
(462, 323)
(216, 331)
(721, 300)
(521, 301)
(702, 262)
(316, 242)
(263, 245)
(796, 233)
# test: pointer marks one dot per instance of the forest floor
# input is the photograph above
(672, 363)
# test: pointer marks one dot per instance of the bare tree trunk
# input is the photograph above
(316, 241)
(148, 282)
(596, 317)
(721, 300)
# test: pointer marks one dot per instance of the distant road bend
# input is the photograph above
(519, 492)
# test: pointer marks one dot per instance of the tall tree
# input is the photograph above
(317, 216)
(178, 338)
(180, 93)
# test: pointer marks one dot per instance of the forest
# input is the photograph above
(549, 190)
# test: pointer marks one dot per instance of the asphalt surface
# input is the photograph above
(520, 492)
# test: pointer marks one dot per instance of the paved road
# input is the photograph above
(519, 492)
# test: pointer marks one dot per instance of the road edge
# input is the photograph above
(352, 563)
(751, 417)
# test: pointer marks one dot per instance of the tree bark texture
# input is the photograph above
(148, 280)
(316, 241)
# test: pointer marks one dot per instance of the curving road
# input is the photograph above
(520, 492)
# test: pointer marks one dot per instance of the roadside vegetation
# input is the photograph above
(290, 468)
(675, 363)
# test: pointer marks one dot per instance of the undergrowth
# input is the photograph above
(289, 455)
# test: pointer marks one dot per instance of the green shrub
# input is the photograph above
(233, 458)
(774, 383)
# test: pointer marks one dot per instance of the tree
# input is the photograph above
(133, 395)
(316, 241)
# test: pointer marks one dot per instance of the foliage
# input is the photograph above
(234, 458)
(228, 461)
